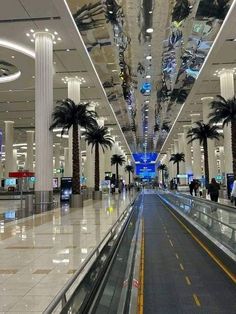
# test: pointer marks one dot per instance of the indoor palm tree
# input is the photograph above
(162, 168)
(98, 136)
(129, 169)
(202, 132)
(225, 111)
(117, 160)
(67, 114)
(177, 158)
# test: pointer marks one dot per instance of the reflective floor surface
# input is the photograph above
(40, 253)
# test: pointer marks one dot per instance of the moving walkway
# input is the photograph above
(167, 253)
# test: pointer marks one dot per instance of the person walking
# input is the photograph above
(213, 190)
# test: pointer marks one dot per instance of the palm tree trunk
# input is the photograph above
(76, 161)
(177, 165)
(129, 177)
(97, 169)
(117, 176)
(162, 172)
(206, 162)
(233, 143)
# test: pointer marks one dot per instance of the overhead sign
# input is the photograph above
(21, 174)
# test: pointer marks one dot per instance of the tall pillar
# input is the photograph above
(43, 116)
(30, 150)
(222, 159)
(210, 143)
(9, 138)
(197, 171)
(89, 167)
(181, 150)
(171, 162)
(15, 165)
(66, 162)
(227, 91)
(57, 165)
(187, 151)
(73, 94)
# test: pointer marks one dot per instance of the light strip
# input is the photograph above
(11, 45)
(10, 78)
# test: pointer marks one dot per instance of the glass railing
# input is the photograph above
(211, 217)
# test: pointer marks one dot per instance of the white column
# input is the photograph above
(176, 146)
(66, 162)
(30, 150)
(9, 138)
(57, 155)
(89, 167)
(227, 91)
(181, 150)
(43, 116)
(169, 164)
(222, 159)
(210, 143)
(15, 165)
(73, 94)
(197, 171)
(187, 151)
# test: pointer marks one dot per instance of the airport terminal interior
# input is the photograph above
(118, 156)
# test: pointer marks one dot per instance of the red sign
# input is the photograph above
(21, 174)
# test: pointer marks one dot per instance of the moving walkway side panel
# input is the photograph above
(179, 276)
(221, 255)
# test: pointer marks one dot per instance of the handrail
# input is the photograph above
(203, 200)
(209, 216)
(61, 295)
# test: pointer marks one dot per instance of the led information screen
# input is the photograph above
(146, 171)
(66, 188)
(145, 158)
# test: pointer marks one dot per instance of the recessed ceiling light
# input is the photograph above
(46, 29)
(148, 57)
(150, 12)
(111, 12)
(149, 45)
(13, 57)
(7, 111)
(32, 31)
(55, 33)
(59, 38)
(67, 49)
(27, 34)
(32, 40)
(54, 42)
(33, 76)
(148, 76)
(149, 30)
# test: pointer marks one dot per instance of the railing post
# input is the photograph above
(63, 300)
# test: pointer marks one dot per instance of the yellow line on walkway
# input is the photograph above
(231, 275)
(196, 300)
(181, 266)
(188, 280)
(171, 243)
(141, 287)
(177, 256)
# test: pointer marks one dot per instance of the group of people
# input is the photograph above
(213, 189)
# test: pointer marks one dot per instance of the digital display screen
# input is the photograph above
(55, 183)
(10, 182)
(145, 158)
(66, 188)
(10, 214)
(146, 171)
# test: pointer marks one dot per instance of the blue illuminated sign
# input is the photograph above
(146, 171)
(145, 158)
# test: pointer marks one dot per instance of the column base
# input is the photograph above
(43, 201)
(76, 200)
(97, 195)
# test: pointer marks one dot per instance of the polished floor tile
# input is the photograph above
(39, 254)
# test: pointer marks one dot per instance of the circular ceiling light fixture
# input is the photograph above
(149, 30)
(148, 76)
(149, 57)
